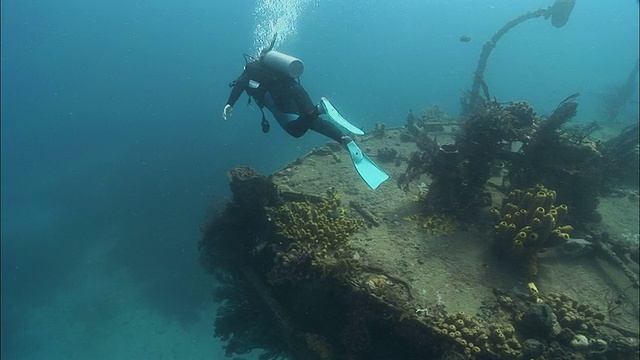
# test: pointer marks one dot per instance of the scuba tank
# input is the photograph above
(283, 63)
(280, 62)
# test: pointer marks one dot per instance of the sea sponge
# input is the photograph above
(325, 223)
(528, 223)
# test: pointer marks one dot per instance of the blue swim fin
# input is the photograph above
(335, 116)
(368, 170)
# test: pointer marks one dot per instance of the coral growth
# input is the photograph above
(291, 264)
(325, 225)
(437, 224)
(562, 158)
(378, 131)
(547, 326)
(471, 337)
(573, 315)
(528, 223)
(316, 232)
(523, 112)
(529, 149)
(387, 154)
(461, 170)
(252, 190)
(620, 157)
(241, 322)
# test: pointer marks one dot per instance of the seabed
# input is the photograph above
(398, 284)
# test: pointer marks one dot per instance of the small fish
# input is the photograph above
(465, 38)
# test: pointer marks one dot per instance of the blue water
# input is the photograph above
(114, 150)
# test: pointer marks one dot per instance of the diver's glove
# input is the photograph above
(227, 111)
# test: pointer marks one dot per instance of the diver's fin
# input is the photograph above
(368, 170)
(337, 118)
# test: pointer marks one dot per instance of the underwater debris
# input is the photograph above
(460, 170)
(554, 325)
(620, 157)
(362, 301)
(240, 324)
(378, 131)
(251, 190)
(528, 149)
(564, 112)
(431, 119)
(539, 321)
(559, 13)
(614, 102)
(387, 154)
(577, 247)
(465, 38)
(563, 159)
(609, 251)
(366, 214)
(523, 112)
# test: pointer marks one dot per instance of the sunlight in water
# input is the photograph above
(277, 17)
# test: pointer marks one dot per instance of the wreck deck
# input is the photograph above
(428, 284)
(456, 266)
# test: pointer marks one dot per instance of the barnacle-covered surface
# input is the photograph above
(350, 273)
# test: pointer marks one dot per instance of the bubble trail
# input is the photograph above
(276, 17)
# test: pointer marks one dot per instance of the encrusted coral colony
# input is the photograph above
(312, 233)
(528, 223)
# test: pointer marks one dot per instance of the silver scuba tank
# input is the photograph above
(283, 63)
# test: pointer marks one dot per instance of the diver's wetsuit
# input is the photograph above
(285, 98)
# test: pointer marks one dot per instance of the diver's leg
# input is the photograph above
(297, 125)
(296, 128)
(310, 115)
(329, 130)
(302, 100)
(292, 123)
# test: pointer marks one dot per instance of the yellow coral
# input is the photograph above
(438, 224)
(528, 223)
(565, 228)
(495, 215)
(324, 223)
(476, 338)
(517, 246)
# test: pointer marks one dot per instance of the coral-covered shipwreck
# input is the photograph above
(483, 245)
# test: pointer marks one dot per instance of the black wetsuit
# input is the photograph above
(287, 100)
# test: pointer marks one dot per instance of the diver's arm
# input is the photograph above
(238, 87)
(236, 91)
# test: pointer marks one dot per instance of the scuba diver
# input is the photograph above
(271, 80)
